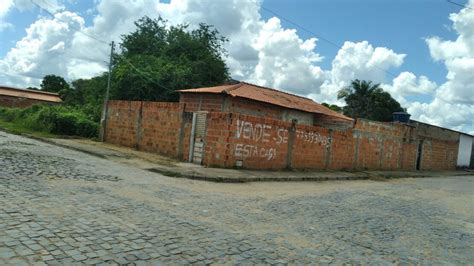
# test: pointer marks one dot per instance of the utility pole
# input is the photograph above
(103, 121)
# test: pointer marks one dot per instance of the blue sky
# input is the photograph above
(401, 25)
(419, 42)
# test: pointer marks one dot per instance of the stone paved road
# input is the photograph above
(59, 206)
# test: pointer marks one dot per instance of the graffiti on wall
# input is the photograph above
(267, 138)
(313, 137)
(248, 150)
(258, 133)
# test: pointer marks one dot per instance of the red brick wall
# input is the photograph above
(201, 102)
(188, 117)
(310, 147)
(378, 145)
(254, 108)
(342, 150)
(439, 155)
(408, 157)
(121, 125)
(8, 101)
(369, 145)
(253, 142)
(148, 126)
(160, 124)
(440, 147)
(221, 103)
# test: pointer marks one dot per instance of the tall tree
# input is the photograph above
(367, 100)
(333, 107)
(157, 60)
(53, 83)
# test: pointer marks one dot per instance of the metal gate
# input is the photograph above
(419, 154)
(198, 131)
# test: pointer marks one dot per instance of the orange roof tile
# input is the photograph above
(30, 94)
(272, 96)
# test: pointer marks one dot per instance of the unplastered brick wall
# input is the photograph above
(236, 140)
(253, 142)
(439, 147)
(311, 147)
(246, 141)
(158, 127)
(15, 102)
(380, 145)
(121, 127)
(193, 102)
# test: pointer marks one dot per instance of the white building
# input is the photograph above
(466, 150)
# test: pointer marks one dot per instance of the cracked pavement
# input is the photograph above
(59, 206)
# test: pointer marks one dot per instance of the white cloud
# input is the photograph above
(408, 84)
(361, 60)
(260, 51)
(442, 113)
(52, 6)
(356, 61)
(282, 55)
(5, 7)
(453, 105)
(42, 50)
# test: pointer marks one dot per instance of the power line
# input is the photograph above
(316, 35)
(143, 74)
(301, 27)
(73, 27)
(458, 4)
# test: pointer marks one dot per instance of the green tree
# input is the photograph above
(53, 83)
(333, 107)
(156, 60)
(366, 100)
(88, 95)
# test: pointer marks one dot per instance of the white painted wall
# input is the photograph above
(465, 149)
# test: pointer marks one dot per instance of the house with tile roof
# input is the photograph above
(249, 99)
(22, 98)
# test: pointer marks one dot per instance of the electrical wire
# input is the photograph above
(143, 74)
(69, 25)
(316, 35)
(458, 4)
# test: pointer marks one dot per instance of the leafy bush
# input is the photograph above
(61, 120)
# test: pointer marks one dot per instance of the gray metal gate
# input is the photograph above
(198, 131)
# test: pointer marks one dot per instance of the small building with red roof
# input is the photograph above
(250, 99)
(22, 98)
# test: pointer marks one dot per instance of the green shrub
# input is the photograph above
(9, 114)
(61, 120)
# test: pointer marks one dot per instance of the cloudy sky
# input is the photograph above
(421, 51)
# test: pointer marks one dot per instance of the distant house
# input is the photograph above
(466, 151)
(22, 98)
(465, 154)
(250, 99)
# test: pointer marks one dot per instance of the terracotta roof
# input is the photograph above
(30, 94)
(272, 96)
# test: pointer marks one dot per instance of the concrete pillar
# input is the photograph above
(138, 127)
(181, 133)
(328, 152)
(356, 151)
(291, 140)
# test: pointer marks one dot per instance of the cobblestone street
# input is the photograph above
(59, 206)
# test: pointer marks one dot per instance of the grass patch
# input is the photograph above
(166, 172)
(20, 129)
(46, 119)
